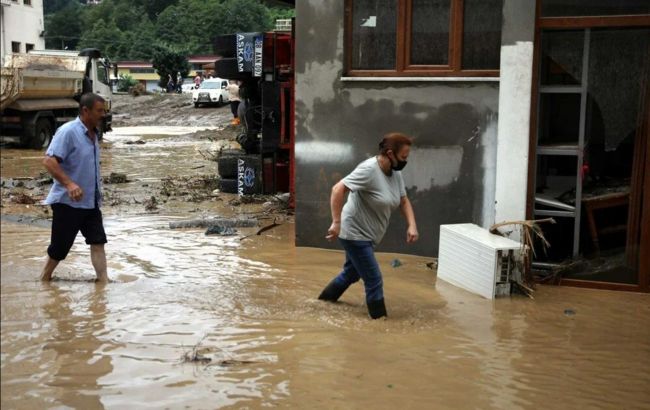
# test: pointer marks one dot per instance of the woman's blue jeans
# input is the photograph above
(360, 263)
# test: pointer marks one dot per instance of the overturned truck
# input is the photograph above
(263, 65)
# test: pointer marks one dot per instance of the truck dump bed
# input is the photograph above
(31, 76)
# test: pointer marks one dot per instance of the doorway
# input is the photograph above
(589, 146)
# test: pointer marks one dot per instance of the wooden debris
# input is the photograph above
(264, 229)
(529, 230)
(224, 222)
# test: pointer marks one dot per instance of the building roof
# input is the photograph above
(206, 58)
(195, 59)
(134, 64)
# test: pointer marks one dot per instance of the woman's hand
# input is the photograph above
(412, 234)
(333, 231)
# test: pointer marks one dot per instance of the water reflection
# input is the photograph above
(78, 315)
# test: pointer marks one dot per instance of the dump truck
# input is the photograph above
(40, 91)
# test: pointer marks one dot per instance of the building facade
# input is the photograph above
(22, 26)
(515, 110)
(144, 72)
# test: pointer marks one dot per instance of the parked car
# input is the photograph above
(211, 91)
(187, 88)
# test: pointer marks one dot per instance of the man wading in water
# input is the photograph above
(377, 189)
(73, 161)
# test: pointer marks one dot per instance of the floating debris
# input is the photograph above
(569, 312)
(22, 198)
(221, 230)
(224, 222)
(116, 178)
(151, 204)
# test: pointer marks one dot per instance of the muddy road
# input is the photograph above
(203, 322)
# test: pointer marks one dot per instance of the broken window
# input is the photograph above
(423, 37)
(373, 34)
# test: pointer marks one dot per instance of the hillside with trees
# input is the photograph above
(140, 29)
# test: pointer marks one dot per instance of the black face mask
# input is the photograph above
(399, 166)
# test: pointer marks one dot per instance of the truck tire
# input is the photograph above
(228, 185)
(228, 166)
(42, 134)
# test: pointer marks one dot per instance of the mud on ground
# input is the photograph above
(166, 110)
(146, 169)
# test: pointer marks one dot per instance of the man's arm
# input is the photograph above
(407, 210)
(52, 166)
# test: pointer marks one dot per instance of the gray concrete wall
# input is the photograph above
(450, 176)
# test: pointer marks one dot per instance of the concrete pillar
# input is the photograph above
(517, 37)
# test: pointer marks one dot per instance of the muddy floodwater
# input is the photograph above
(202, 322)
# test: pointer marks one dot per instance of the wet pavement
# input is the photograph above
(203, 322)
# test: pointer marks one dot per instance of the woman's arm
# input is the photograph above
(407, 210)
(336, 204)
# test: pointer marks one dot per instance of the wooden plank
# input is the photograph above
(347, 37)
(456, 35)
(597, 21)
(600, 285)
(404, 34)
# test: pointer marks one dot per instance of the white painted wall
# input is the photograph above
(513, 131)
(21, 23)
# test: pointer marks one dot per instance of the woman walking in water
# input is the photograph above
(376, 189)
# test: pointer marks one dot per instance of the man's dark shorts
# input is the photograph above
(67, 222)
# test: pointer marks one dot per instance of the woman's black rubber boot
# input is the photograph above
(377, 309)
(332, 292)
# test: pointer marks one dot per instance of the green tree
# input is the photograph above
(244, 16)
(125, 82)
(52, 6)
(142, 41)
(108, 38)
(276, 13)
(123, 13)
(168, 61)
(63, 28)
(153, 8)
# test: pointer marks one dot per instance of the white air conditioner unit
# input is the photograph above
(472, 258)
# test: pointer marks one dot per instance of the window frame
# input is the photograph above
(403, 68)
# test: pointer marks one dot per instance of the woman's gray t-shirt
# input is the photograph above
(373, 198)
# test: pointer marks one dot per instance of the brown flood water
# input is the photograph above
(250, 307)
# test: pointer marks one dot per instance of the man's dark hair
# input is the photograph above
(88, 100)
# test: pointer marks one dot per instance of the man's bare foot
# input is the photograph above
(46, 278)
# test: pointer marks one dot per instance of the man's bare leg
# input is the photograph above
(48, 269)
(98, 258)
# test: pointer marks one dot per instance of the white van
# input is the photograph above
(211, 91)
